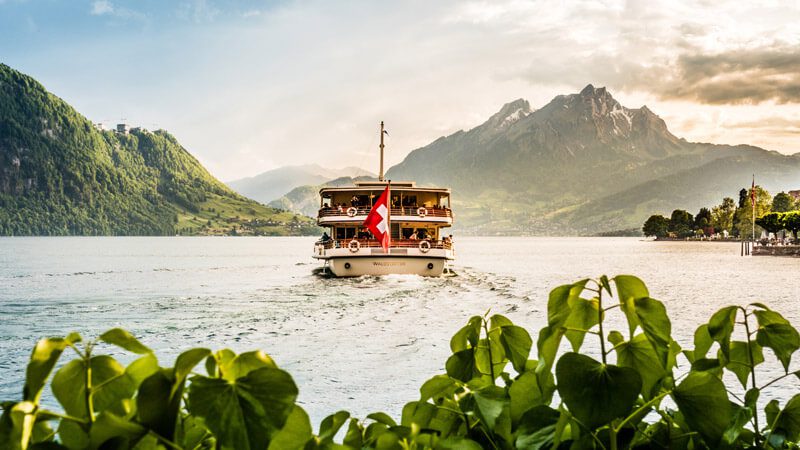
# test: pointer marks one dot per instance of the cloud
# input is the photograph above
(102, 7)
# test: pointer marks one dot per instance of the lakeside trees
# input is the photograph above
(495, 392)
(732, 218)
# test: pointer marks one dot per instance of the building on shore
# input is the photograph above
(122, 128)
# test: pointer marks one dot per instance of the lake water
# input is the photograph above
(364, 344)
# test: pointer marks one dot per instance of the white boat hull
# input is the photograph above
(345, 262)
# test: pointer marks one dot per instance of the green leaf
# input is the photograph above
(110, 386)
(490, 351)
(525, 393)
(639, 355)
(331, 425)
(584, 314)
(156, 406)
(354, 436)
(122, 338)
(295, 433)
(241, 365)
(141, 368)
(467, 336)
(72, 435)
(17, 425)
(437, 387)
(741, 418)
(702, 341)
(596, 393)
(777, 333)
(461, 365)
(184, 364)
(382, 418)
(499, 321)
(653, 318)
(244, 414)
(615, 337)
(788, 420)
(458, 443)
(703, 402)
(720, 327)
(629, 288)
(43, 358)
(517, 344)
(109, 427)
(547, 346)
(537, 428)
(490, 403)
(739, 360)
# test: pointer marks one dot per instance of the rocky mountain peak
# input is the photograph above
(510, 113)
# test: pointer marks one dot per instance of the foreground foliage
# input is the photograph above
(493, 395)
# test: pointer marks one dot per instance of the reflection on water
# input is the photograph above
(362, 344)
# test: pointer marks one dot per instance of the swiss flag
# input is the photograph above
(377, 220)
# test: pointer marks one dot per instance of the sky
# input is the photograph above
(249, 86)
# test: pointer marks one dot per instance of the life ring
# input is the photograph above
(352, 211)
(422, 212)
(354, 246)
(424, 246)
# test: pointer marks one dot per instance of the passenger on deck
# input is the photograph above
(354, 201)
(325, 237)
(414, 236)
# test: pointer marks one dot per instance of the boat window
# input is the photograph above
(326, 202)
(410, 200)
(395, 230)
(444, 202)
(345, 232)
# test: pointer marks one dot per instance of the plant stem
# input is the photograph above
(778, 379)
(600, 324)
(752, 376)
(489, 348)
(644, 406)
(88, 362)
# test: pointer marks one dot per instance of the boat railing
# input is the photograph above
(396, 243)
(421, 211)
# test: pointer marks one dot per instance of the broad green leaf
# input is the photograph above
(141, 368)
(382, 418)
(109, 427)
(777, 333)
(122, 338)
(156, 407)
(720, 327)
(499, 321)
(615, 337)
(43, 358)
(557, 305)
(704, 404)
(438, 386)
(184, 364)
(17, 424)
(596, 393)
(741, 418)
(109, 385)
(629, 288)
(526, 393)
(194, 434)
(584, 314)
(354, 438)
(639, 355)
(702, 341)
(72, 435)
(490, 404)
(461, 365)
(490, 351)
(295, 433)
(537, 428)
(547, 346)
(244, 414)
(788, 420)
(739, 360)
(517, 344)
(713, 366)
(243, 364)
(467, 336)
(331, 425)
(653, 319)
(458, 443)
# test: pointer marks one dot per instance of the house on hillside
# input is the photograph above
(122, 128)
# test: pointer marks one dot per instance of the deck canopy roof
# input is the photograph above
(365, 186)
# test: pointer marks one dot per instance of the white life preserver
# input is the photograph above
(354, 246)
(352, 211)
(422, 212)
(424, 246)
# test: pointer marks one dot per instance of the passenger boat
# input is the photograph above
(385, 227)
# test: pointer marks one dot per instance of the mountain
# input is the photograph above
(583, 164)
(271, 185)
(60, 175)
(305, 199)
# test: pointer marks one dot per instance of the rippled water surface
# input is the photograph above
(363, 344)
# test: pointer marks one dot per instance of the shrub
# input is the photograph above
(491, 396)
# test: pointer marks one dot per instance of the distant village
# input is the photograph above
(121, 128)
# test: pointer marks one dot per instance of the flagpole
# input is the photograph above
(380, 173)
(388, 204)
(753, 202)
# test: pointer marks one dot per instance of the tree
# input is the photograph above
(782, 202)
(722, 215)
(681, 223)
(744, 216)
(656, 225)
(791, 221)
(702, 219)
(742, 198)
(772, 222)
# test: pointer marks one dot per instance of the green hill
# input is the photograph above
(59, 175)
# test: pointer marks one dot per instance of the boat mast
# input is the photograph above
(380, 174)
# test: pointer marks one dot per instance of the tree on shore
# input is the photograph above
(681, 223)
(782, 202)
(744, 216)
(791, 221)
(656, 225)
(722, 215)
(772, 222)
(703, 219)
